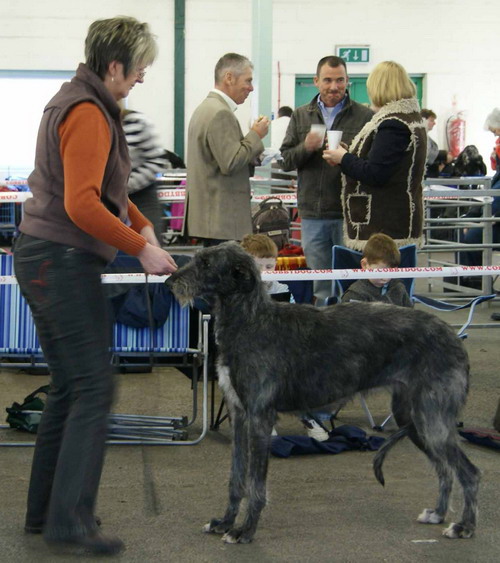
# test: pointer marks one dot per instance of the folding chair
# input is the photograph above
(347, 259)
(169, 342)
(19, 344)
(19, 347)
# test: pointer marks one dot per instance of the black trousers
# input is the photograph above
(62, 286)
(149, 205)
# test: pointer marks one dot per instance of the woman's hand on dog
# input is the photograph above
(156, 261)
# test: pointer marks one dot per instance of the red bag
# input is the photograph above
(291, 250)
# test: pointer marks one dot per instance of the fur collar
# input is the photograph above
(405, 106)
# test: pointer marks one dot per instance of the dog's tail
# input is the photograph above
(383, 451)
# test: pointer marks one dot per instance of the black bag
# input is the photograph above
(271, 218)
(26, 416)
(130, 303)
(131, 309)
(469, 163)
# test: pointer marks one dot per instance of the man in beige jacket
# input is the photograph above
(219, 156)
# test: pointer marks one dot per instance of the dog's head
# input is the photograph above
(219, 271)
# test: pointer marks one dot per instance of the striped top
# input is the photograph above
(147, 157)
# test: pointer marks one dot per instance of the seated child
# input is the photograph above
(265, 253)
(380, 252)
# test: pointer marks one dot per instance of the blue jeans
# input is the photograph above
(62, 286)
(318, 237)
(475, 236)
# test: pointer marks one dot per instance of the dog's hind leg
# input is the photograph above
(436, 437)
(468, 476)
(425, 435)
(259, 436)
(445, 477)
(447, 457)
(237, 480)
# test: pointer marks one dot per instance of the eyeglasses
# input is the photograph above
(140, 74)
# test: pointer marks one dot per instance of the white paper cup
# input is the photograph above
(334, 138)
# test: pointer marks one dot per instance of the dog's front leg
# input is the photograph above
(237, 481)
(259, 441)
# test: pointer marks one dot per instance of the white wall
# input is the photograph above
(454, 43)
(50, 35)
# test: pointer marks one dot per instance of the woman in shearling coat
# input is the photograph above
(385, 165)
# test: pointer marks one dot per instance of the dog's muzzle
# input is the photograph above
(179, 285)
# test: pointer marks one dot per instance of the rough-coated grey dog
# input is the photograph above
(276, 357)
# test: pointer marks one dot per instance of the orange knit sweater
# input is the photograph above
(85, 138)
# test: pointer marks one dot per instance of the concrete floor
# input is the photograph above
(321, 508)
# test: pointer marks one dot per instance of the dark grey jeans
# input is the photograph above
(62, 286)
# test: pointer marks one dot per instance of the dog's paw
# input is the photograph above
(455, 531)
(215, 526)
(429, 516)
(236, 535)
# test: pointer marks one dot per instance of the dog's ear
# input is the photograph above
(244, 276)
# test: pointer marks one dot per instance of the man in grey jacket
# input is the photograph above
(219, 156)
(319, 185)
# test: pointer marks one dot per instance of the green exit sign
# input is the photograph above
(354, 54)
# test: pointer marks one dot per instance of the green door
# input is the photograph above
(305, 89)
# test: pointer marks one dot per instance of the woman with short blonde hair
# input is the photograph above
(385, 165)
(121, 39)
(389, 82)
(78, 217)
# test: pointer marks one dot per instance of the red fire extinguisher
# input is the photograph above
(455, 132)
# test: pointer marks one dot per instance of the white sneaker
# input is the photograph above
(314, 430)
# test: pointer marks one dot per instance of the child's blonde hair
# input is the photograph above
(381, 248)
(260, 246)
